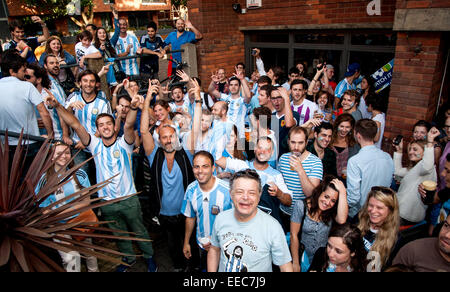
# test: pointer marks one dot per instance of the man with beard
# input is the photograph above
(180, 37)
(112, 156)
(87, 105)
(301, 170)
(172, 173)
(427, 254)
(205, 198)
(179, 103)
(51, 64)
(275, 191)
(319, 147)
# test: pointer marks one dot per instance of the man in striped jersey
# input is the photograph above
(305, 108)
(237, 104)
(128, 45)
(301, 170)
(113, 162)
(205, 198)
(86, 105)
(51, 64)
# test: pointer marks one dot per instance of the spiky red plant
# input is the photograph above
(26, 230)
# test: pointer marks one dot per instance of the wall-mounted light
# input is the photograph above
(236, 7)
(418, 49)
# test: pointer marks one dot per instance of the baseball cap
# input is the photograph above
(352, 69)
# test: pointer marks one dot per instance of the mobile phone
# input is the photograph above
(397, 140)
(253, 52)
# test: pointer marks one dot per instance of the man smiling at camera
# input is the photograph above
(245, 239)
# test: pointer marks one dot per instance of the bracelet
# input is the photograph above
(134, 109)
(198, 101)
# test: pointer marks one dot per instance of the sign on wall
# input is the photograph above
(383, 76)
(252, 4)
(374, 7)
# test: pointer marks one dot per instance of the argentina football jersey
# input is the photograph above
(205, 206)
(110, 161)
(60, 95)
(130, 65)
(89, 113)
(237, 112)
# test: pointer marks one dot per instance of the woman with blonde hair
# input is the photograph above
(379, 222)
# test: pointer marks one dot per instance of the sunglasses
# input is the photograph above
(385, 190)
(27, 77)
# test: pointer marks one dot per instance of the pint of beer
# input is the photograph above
(430, 190)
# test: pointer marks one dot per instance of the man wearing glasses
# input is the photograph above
(283, 118)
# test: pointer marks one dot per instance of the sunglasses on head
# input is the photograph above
(384, 190)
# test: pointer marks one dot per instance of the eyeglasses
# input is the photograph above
(27, 77)
(385, 190)
(276, 97)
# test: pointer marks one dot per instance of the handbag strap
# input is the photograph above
(303, 221)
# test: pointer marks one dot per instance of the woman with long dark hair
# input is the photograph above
(343, 142)
(368, 88)
(344, 252)
(327, 204)
(106, 47)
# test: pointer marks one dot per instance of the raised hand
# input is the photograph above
(184, 77)
(215, 77)
(432, 134)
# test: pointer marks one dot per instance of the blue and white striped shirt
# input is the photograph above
(130, 65)
(60, 95)
(313, 168)
(112, 160)
(89, 113)
(199, 204)
(342, 87)
(66, 190)
(237, 112)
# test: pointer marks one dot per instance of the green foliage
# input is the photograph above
(56, 8)
(179, 3)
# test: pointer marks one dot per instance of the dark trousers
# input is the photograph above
(286, 220)
(173, 227)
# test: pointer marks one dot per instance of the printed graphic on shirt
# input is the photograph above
(234, 252)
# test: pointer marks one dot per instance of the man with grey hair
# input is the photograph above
(245, 239)
(171, 171)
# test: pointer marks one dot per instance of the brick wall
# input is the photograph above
(416, 81)
(223, 43)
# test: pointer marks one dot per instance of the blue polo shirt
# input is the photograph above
(186, 37)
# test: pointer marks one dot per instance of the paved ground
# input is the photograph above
(161, 256)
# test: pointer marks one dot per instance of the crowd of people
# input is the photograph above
(241, 174)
